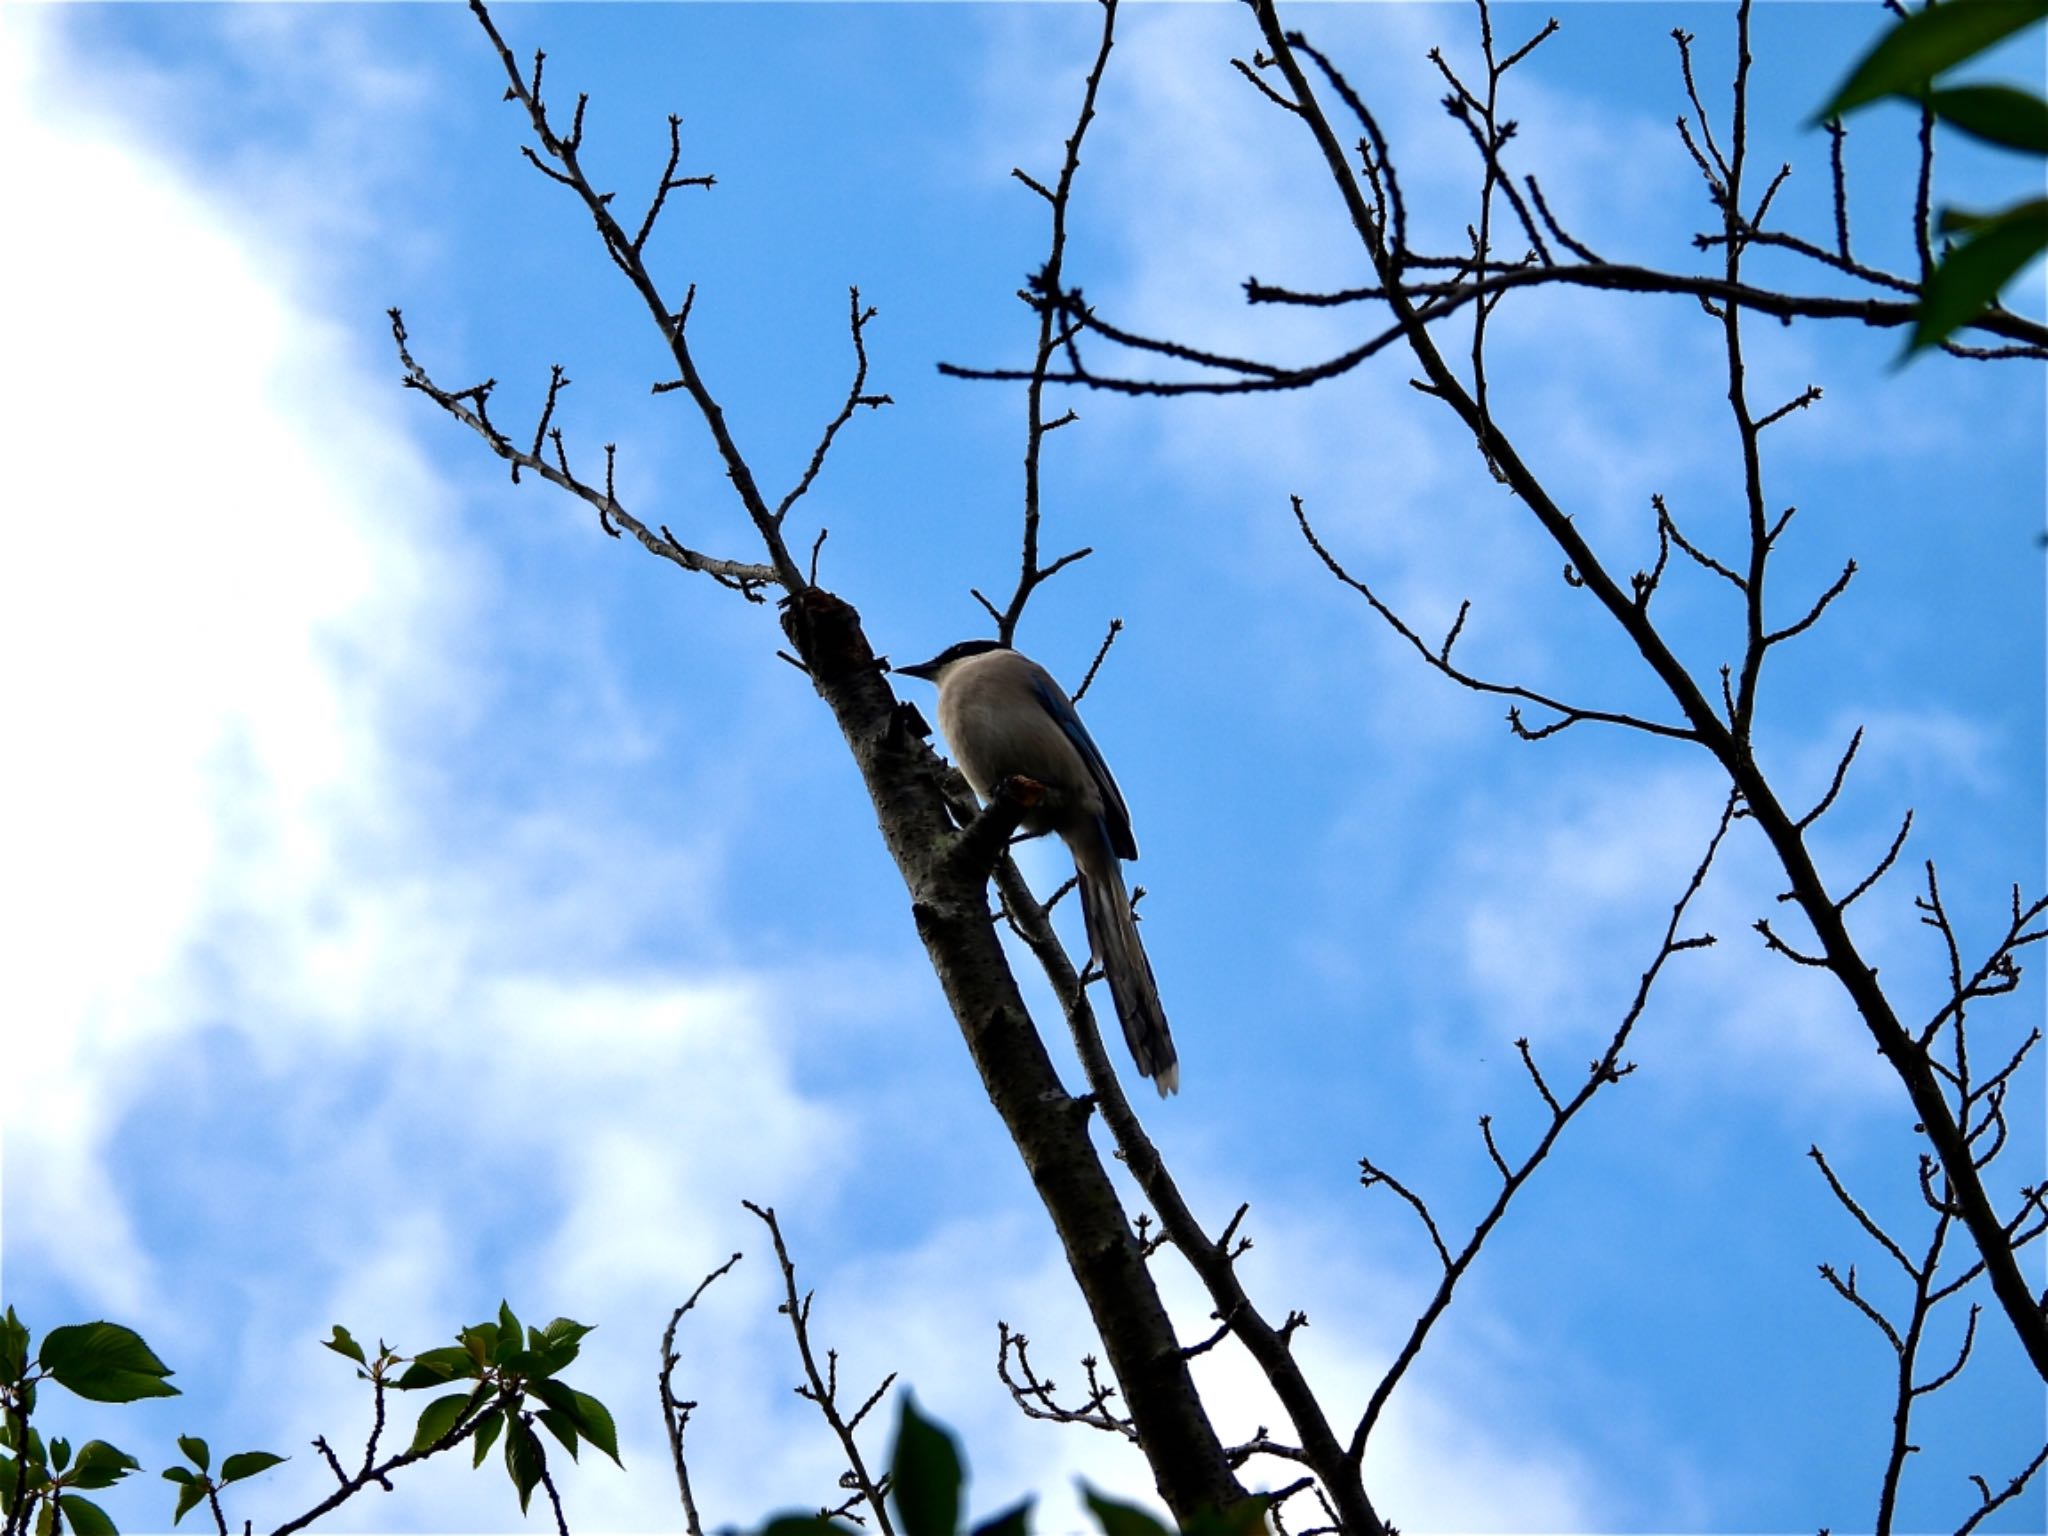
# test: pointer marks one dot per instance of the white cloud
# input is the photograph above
(221, 562)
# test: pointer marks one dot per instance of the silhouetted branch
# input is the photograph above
(1034, 1394)
(1055, 335)
(821, 1389)
(675, 1415)
(467, 407)
(1440, 659)
(1607, 1069)
(857, 319)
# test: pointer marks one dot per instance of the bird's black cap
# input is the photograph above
(929, 670)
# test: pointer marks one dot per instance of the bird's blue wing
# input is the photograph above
(1116, 816)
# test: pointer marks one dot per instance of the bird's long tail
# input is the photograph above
(1114, 945)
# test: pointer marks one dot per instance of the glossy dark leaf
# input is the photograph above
(437, 1418)
(561, 1426)
(188, 1495)
(524, 1459)
(1923, 44)
(1014, 1521)
(523, 1363)
(104, 1363)
(13, 1347)
(595, 1421)
(1970, 276)
(559, 1335)
(85, 1517)
(555, 1347)
(925, 1475)
(60, 1454)
(343, 1343)
(101, 1465)
(1997, 114)
(247, 1464)
(487, 1434)
(592, 1419)
(195, 1450)
(511, 1335)
(437, 1367)
(1117, 1519)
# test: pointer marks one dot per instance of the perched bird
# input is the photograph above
(1005, 718)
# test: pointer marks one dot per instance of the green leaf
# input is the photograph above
(46, 1519)
(189, 1495)
(486, 1433)
(562, 1427)
(195, 1450)
(10, 1476)
(437, 1367)
(13, 1347)
(559, 1342)
(1121, 1519)
(524, 1459)
(343, 1343)
(104, 1363)
(590, 1417)
(523, 1363)
(438, 1417)
(1997, 114)
(480, 1343)
(595, 1421)
(925, 1475)
(247, 1464)
(101, 1465)
(176, 1475)
(1014, 1521)
(510, 1334)
(1970, 276)
(1922, 45)
(1961, 221)
(60, 1454)
(85, 1517)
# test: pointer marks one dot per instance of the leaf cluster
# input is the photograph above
(43, 1483)
(1910, 63)
(507, 1379)
(194, 1486)
(514, 1381)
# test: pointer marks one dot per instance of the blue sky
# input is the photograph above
(421, 899)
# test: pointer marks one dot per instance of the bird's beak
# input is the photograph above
(928, 670)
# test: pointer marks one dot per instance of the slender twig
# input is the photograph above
(1101, 651)
(822, 1389)
(1035, 1394)
(1055, 335)
(466, 406)
(1440, 658)
(675, 1415)
(1607, 1069)
(857, 321)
